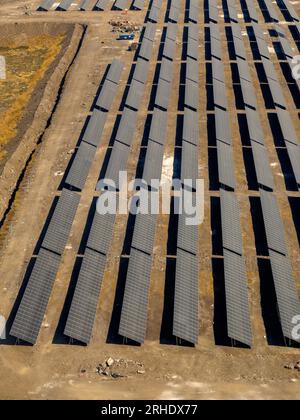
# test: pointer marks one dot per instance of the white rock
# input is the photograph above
(110, 361)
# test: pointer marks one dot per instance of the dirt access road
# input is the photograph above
(56, 369)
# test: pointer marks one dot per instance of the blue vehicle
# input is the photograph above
(126, 37)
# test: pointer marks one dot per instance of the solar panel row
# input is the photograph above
(236, 289)
(213, 11)
(285, 45)
(272, 13)
(169, 48)
(81, 316)
(138, 4)
(292, 12)
(30, 314)
(118, 158)
(190, 142)
(65, 4)
(222, 120)
(101, 4)
(83, 308)
(186, 294)
(251, 10)
(291, 141)
(285, 287)
(85, 5)
(193, 14)
(222, 123)
(274, 85)
(85, 154)
(155, 11)
(218, 79)
(150, 31)
(186, 312)
(163, 91)
(174, 11)
(191, 97)
(231, 10)
(121, 4)
(61, 221)
(93, 132)
(186, 322)
(287, 51)
(259, 152)
(133, 321)
(46, 5)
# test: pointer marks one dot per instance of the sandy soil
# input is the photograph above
(56, 369)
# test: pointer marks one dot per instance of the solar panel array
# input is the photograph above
(31, 311)
(133, 321)
(83, 308)
(134, 308)
(99, 5)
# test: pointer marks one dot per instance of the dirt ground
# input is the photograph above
(30, 57)
(53, 368)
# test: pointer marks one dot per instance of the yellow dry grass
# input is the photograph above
(26, 64)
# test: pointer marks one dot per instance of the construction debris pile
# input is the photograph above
(124, 26)
(120, 368)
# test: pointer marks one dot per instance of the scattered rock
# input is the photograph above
(293, 366)
(110, 361)
(116, 375)
(120, 368)
(105, 372)
(71, 152)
